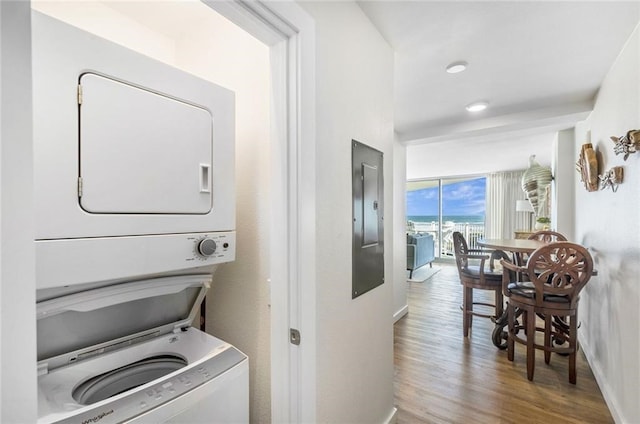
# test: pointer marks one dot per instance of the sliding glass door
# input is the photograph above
(445, 205)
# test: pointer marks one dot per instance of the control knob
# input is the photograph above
(206, 247)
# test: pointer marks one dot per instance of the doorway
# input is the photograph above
(266, 297)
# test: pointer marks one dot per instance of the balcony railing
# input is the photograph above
(471, 231)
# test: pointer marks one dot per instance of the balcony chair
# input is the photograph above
(557, 273)
(420, 251)
(477, 277)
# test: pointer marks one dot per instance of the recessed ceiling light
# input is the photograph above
(477, 106)
(456, 67)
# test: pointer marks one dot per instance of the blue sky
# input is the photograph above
(461, 198)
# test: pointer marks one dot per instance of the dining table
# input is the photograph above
(518, 248)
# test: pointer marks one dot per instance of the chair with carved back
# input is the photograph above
(557, 273)
(547, 236)
(474, 275)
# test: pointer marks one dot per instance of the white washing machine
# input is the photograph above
(135, 207)
(128, 353)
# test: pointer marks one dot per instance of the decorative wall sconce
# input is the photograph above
(612, 178)
(627, 144)
(587, 166)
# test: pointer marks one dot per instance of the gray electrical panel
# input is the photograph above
(368, 218)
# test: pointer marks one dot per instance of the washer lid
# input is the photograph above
(81, 325)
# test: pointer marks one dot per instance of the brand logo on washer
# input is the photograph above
(97, 417)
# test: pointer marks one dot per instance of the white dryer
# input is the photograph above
(126, 148)
(128, 353)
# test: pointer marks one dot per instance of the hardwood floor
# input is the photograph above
(441, 377)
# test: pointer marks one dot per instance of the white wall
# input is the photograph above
(563, 187)
(477, 156)
(400, 305)
(17, 254)
(354, 80)
(238, 302)
(217, 50)
(609, 224)
(105, 22)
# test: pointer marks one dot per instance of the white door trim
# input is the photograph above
(18, 393)
(290, 33)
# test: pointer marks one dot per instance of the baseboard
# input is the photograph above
(607, 393)
(401, 313)
(392, 417)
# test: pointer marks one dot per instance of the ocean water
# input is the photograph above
(458, 219)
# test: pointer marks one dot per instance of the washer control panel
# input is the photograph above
(133, 255)
(212, 247)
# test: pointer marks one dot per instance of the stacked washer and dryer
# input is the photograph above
(135, 207)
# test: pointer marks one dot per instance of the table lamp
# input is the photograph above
(525, 206)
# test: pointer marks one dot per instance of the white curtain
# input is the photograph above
(503, 190)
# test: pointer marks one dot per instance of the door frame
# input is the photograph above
(290, 34)
(18, 391)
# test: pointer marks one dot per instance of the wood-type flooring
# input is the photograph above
(441, 377)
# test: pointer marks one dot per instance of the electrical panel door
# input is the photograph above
(368, 219)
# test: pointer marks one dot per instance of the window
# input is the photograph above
(442, 206)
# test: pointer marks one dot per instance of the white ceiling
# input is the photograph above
(538, 63)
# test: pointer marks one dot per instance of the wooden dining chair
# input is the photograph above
(547, 236)
(557, 273)
(474, 275)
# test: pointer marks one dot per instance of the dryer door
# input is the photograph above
(141, 151)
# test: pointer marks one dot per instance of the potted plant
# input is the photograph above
(542, 223)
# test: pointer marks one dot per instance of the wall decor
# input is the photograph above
(535, 181)
(627, 144)
(612, 178)
(587, 166)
